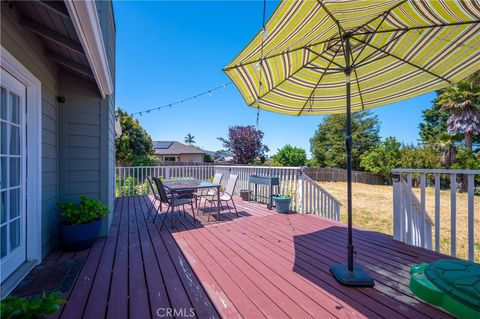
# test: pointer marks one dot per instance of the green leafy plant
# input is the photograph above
(290, 156)
(88, 210)
(41, 307)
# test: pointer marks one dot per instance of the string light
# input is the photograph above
(193, 97)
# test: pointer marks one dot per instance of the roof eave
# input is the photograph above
(87, 25)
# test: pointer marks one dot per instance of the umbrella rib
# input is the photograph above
(331, 61)
(288, 77)
(324, 6)
(383, 46)
(369, 40)
(405, 61)
(358, 83)
(316, 85)
(420, 27)
(386, 13)
(279, 54)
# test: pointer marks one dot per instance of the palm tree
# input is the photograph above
(463, 102)
(190, 139)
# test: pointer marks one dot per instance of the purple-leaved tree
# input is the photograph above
(245, 144)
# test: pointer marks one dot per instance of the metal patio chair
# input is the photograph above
(217, 179)
(225, 196)
(172, 202)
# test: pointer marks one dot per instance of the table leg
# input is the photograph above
(218, 203)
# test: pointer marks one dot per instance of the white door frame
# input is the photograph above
(33, 153)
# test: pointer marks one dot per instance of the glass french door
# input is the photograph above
(12, 177)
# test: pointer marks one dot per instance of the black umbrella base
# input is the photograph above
(356, 278)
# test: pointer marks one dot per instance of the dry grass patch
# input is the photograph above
(373, 210)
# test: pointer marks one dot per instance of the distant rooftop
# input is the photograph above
(174, 148)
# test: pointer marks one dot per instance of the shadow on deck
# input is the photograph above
(258, 265)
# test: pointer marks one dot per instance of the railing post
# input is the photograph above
(398, 222)
(437, 212)
(301, 190)
(471, 246)
(167, 172)
(453, 214)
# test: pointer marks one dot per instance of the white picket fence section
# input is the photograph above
(411, 223)
(308, 196)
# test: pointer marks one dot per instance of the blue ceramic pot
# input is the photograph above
(79, 237)
(282, 204)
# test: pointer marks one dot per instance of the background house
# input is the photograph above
(172, 151)
(57, 75)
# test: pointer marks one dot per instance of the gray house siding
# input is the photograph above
(84, 143)
(27, 49)
(78, 149)
(107, 23)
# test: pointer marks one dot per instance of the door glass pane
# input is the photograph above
(14, 172)
(3, 207)
(3, 171)
(15, 110)
(3, 138)
(14, 140)
(3, 108)
(3, 241)
(14, 203)
(14, 234)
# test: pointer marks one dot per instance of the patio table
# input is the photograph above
(193, 184)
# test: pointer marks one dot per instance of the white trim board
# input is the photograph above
(87, 25)
(34, 152)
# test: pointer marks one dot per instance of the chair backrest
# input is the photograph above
(232, 182)
(161, 190)
(155, 193)
(217, 178)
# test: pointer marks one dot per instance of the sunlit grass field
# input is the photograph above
(373, 210)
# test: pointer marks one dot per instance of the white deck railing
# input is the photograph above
(411, 221)
(308, 196)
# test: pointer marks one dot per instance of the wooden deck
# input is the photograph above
(259, 265)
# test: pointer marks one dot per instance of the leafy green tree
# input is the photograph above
(290, 156)
(189, 139)
(135, 145)
(434, 123)
(328, 143)
(382, 158)
(462, 101)
(424, 156)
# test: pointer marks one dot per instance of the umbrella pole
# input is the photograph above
(350, 274)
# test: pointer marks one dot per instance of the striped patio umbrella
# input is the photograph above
(338, 56)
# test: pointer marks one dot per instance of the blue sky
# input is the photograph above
(167, 51)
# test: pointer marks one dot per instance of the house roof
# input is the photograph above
(174, 148)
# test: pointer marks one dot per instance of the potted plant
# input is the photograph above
(81, 222)
(41, 307)
(282, 202)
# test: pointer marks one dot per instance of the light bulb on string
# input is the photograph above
(264, 34)
(209, 93)
(258, 66)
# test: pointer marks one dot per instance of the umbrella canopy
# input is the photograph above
(337, 56)
(399, 49)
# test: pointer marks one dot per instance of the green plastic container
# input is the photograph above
(453, 285)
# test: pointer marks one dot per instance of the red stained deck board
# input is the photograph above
(250, 281)
(138, 298)
(310, 254)
(118, 295)
(242, 302)
(157, 294)
(97, 302)
(194, 289)
(263, 278)
(261, 264)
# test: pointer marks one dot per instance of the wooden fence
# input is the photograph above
(320, 174)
